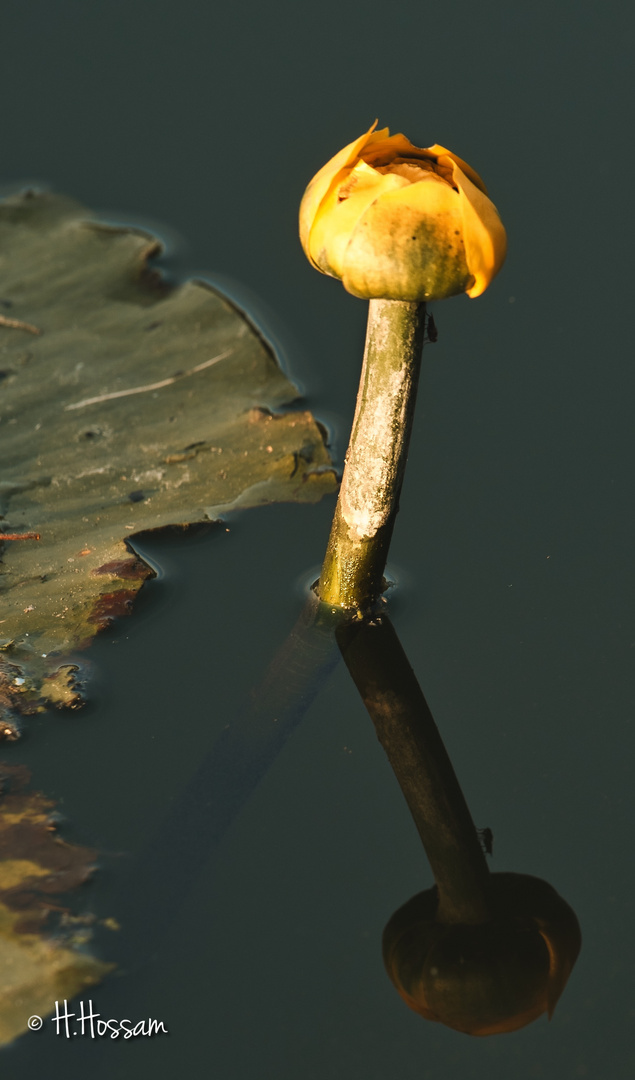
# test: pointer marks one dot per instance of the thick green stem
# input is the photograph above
(368, 501)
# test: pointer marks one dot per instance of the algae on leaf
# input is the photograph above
(125, 405)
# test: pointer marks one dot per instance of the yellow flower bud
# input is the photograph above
(398, 222)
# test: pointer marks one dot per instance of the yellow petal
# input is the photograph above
(408, 245)
(336, 218)
(322, 181)
(383, 149)
(483, 232)
(440, 152)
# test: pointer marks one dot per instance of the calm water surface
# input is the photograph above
(513, 554)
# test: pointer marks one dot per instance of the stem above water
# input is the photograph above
(368, 501)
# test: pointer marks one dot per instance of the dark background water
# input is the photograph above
(513, 551)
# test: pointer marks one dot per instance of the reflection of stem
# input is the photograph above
(376, 458)
(407, 731)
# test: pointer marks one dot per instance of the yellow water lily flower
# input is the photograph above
(398, 222)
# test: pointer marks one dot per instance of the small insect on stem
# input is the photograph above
(20, 536)
(486, 837)
(431, 332)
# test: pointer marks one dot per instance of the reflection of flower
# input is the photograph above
(487, 978)
(397, 222)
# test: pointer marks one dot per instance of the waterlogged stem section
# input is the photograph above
(376, 459)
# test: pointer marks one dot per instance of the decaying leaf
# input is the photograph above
(37, 871)
(125, 405)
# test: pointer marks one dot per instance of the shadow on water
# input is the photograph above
(199, 818)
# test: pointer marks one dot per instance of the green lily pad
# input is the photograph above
(125, 405)
(38, 871)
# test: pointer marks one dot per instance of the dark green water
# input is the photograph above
(513, 551)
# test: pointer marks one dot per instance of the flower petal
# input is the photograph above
(337, 217)
(408, 245)
(384, 148)
(483, 232)
(440, 152)
(322, 181)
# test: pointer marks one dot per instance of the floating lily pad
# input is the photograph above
(125, 405)
(37, 872)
